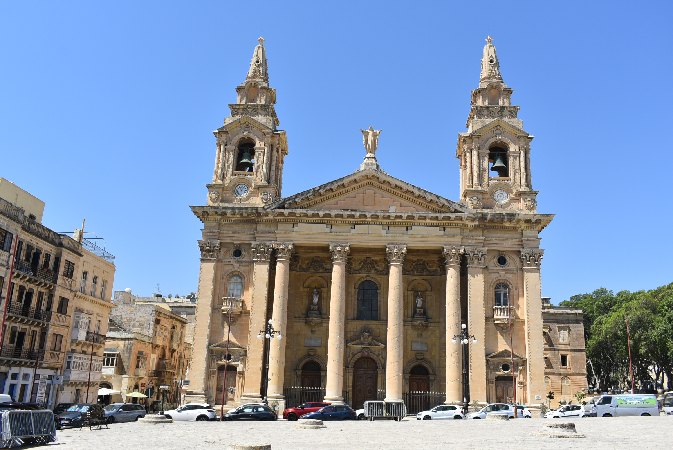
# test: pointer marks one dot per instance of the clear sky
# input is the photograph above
(107, 109)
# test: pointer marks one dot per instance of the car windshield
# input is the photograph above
(79, 408)
(112, 408)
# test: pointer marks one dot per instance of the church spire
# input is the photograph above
(490, 67)
(259, 70)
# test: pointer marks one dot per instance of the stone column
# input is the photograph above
(395, 336)
(261, 253)
(337, 320)
(279, 322)
(476, 322)
(535, 388)
(454, 368)
(204, 311)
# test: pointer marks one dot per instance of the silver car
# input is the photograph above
(123, 412)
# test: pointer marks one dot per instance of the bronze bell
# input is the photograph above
(245, 164)
(499, 166)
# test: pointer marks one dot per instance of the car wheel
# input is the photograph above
(111, 419)
(292, 417)
(361, 416)
(476, 417)
(427, 418)
(645, 414)
(136, 418)
(168, 416)
(456, 417)
(607, 415)
(202, 418)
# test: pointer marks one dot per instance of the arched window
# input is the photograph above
(245, 160)
(235, 288)
(498, 162)
(368, 301)
(501, 294)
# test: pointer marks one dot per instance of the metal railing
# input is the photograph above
(296, 395)
(29, 312)
(30, 427)
(97, 250)
(13, 352)
(418, 401)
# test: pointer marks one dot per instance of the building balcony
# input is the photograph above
(232, 305)
(21, 354)
(88, 337)
(40, 276)
(82, 368)
(59, 319)
(27, 314)
(502, 314)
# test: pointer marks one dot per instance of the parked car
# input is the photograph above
(251, 411)
(501, 409)
(82, 414)
(333, 412)
(58, 409)
(305, 408)
(360, 414)
(123, 412)
(192, 411)
(441, 412)
(564, 411)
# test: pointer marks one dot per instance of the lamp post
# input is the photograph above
(268, 333)
(464, 339)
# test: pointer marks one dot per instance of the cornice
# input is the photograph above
(94, 300)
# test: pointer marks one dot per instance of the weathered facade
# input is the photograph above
(55, 303)
(145, 349)
(368, 278)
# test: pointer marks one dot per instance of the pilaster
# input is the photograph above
(337, 313)
(261, 255)
(535, 388)
(395, 335)
(476, 323)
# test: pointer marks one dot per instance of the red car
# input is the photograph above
(305, 408)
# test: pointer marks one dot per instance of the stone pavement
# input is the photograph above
(600, 433)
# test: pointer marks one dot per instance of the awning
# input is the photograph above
(106, 391)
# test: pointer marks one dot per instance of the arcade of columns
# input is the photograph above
(394, 343)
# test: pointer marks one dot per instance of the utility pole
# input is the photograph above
(628, 343)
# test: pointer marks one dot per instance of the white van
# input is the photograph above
(668, 403)
(627, 405)
(5, 398)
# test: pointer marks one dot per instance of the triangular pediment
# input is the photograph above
(503, 354)
(369, 190)
(243, 122)
(506, 127)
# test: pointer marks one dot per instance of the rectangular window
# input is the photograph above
(109, 359)
(40, 301)
(68, 269)
(62, 306)
(103, 289)
(29, 253)
(12, 335)
(82, 285)
(5, 240)
(50, 302)
(46, 261)
(564, 360)
(94, 285)
(56, 342)
(43, 339)
(19, 249)
(140, 361)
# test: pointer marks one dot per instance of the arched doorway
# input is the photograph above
(365, 373)
(311, 381)
(231, 383)
(419, 389)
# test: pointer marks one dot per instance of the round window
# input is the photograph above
(505, 367)
(502, 260)
(237, 253)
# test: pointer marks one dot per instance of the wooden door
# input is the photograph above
(504, 390)
(419, 389)
(365, 376)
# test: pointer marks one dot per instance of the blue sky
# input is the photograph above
(107, 109)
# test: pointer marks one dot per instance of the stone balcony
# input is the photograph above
(502, 314)
(232, 305)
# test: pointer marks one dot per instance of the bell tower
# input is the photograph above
(494, 152)
(250, 149)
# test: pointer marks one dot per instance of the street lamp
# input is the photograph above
(268, 333)
(464, 339)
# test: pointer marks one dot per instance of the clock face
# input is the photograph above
(241, 190)
(500, 196)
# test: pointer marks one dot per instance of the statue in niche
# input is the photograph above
(420, 310)
(313, 309)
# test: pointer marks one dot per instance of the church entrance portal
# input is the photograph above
(365, 374)
(504, 390)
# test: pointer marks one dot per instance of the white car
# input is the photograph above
(565, 411)
(360, 414)
(192, 411)
(501, 409)
(441, 412)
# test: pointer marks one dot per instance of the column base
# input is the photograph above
(392, 399)
(250, 398)
(195, 397)
(277, 403)
(335, 400)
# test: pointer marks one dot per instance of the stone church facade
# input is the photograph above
(368, 278)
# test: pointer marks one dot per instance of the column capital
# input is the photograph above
(209, 249)
(396, 253)
(476, 256)
(452, 255)
(339, 252)
(283, 250)
(261, 251)
(532, 257)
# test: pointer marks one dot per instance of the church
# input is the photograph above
(368, 287)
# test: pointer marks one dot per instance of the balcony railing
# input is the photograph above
(95, 338)
(232, 304)
(42, 274)
(501, 313)
(13, 352)
(28, 312)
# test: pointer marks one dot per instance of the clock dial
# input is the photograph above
(241, 190)
(500, 196)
